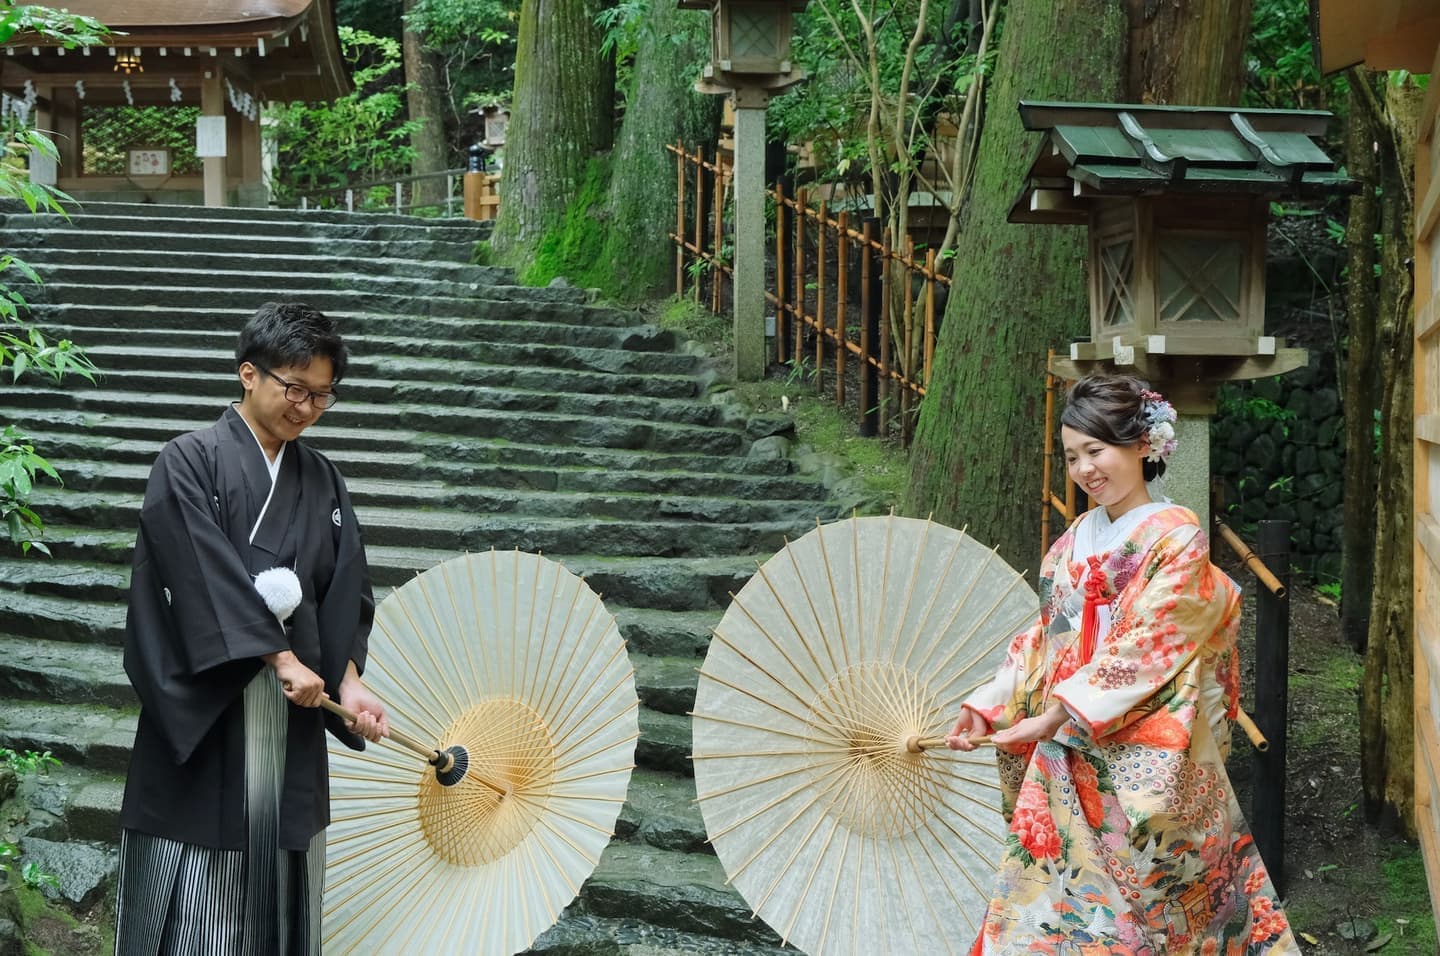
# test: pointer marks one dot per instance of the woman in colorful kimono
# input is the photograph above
(1111, 720)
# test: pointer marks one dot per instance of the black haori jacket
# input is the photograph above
(197, 628)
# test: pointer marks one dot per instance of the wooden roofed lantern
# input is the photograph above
(750, 43)
(224, 57)
(1176, 201)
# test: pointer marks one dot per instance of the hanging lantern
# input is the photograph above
(129, 62)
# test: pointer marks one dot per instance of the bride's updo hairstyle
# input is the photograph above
(1112, 409)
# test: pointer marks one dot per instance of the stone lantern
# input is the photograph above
(749, 61)
(1175, 201)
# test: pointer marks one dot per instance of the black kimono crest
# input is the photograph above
(197, 629)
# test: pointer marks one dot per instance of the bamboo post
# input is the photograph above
(802, 197)
(717, 244)
(887, 384)
(700, 213)
(908, 343)
(679, 219)
(1272, 705)
(869, 330)
(1256, 566)
(782, 320)
(821, 226)
(842, 302)
(1045, 485)
(929, 316)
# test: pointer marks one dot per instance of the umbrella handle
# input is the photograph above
(917, 744)
(442, 760)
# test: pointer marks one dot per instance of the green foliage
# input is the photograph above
(24, 764)
(1406, 893)
(475, 40)
(573, 249)
(693, 321)
(1280, 62)
(1330, 590)
(23, 347)
(362, 137)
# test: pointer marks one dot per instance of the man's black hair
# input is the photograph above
(282, 334)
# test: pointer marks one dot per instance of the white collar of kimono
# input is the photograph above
(1097, 535)
(271, 466)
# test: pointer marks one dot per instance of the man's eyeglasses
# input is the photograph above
(297, 394)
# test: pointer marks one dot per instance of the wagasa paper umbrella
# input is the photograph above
(514, 667)
(825, 691)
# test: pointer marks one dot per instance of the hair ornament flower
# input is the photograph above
(1158, 417)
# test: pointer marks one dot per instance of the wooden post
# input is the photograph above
(869, 330)
(717, 242)
(679, 219)
(1045, 506)
(801, 198)
(701, 211)
(887, 384)
(212, 104)
(842, 302)
(782, 326)
(823, 224)
(1272, 709)
(908, 343)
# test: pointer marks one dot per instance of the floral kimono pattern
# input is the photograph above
(1125, 835)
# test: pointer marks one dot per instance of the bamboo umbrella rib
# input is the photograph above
(834, 595)
(779, 648)
(338, 862)
(745, 725)
(550, 680)
(935, 841)
(859, 591)
(759, 699)
(915, 566)
(773, 803)
(897, 874)
(529, 848)
(1005, 633)
(577, 743)
(594, 774)
(528, 647)
(925, 848)
(564, 691)
(466, 646)
(800, 845)
(949, 787)
(431, 723)
(759, 668)
(884, 583)
(908, 847)
(372, 814)
(590, 755)
(539, 641)
(402, 887)
(621, 676)
(834, 887)
(935, 593)
(402, 600)
(472, 567)
(940, 635)
(444, 669)
(794, 625)
(376, 758)
(810, 602)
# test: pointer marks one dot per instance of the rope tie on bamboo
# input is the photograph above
(1090, 617)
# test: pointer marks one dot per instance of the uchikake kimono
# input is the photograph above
(1125, 835)
(227, 795)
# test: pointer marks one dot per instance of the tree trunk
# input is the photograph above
(1361, 301)
(423, 95)
(562, 117)
(1387, 719)
(663, 107)
(1019, 289)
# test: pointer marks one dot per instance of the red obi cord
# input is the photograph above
(1090, 618)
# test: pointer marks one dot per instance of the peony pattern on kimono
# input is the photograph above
(1125, 836)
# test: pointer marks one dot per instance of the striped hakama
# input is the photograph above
(181, 899)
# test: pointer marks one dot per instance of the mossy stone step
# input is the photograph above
(579, 935)
(49, 257)
(33, 669)
(660, 811)
(97, 738)
(233, 241)
(202, 220)
(684, 891)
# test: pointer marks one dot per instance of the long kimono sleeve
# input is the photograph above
(1176, 604)
(196, 624)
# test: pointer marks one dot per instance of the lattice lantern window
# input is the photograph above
(749, 37)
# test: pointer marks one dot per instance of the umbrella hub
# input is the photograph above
(507, 743)
(864, 716)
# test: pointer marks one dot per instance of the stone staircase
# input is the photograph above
(476, 414)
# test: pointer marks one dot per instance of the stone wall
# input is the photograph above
(1277, 447)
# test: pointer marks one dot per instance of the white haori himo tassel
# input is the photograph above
(281, 590)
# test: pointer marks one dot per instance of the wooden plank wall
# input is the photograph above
(1427, 480)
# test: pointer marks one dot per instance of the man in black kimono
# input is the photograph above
(227, 798)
